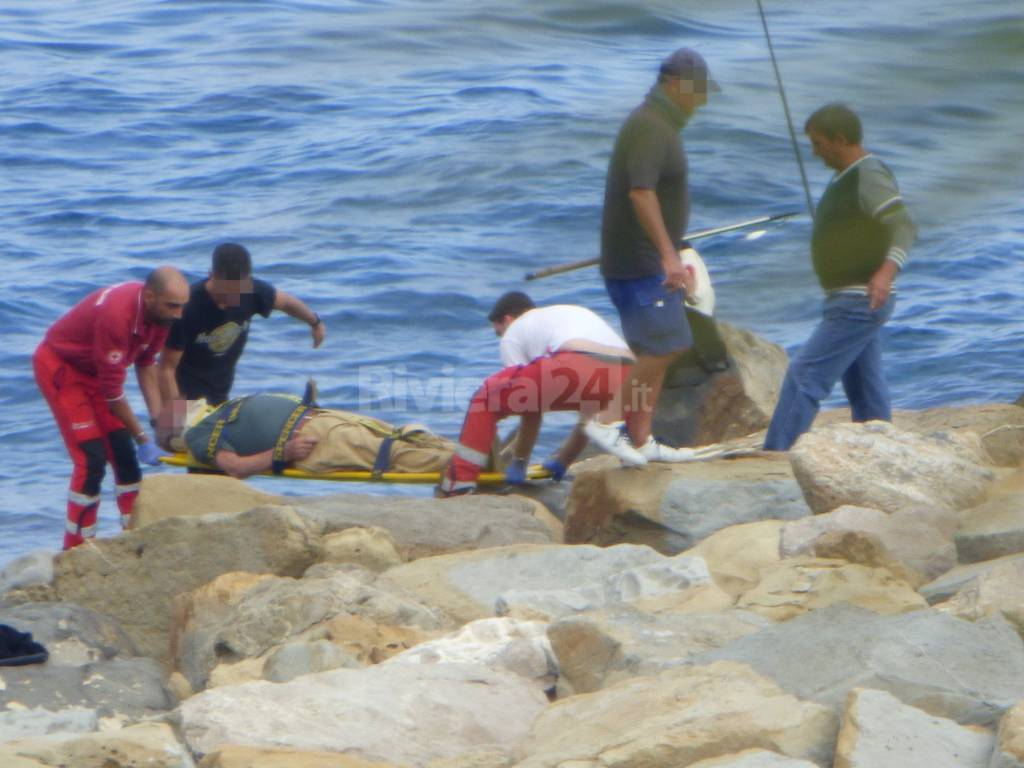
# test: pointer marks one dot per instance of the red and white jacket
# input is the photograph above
(104, 334)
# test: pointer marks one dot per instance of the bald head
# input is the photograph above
(164, 295)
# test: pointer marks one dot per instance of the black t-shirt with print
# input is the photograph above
(212, 339)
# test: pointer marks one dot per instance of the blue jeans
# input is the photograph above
(845, 345)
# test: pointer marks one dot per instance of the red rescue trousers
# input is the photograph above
(566, 381)
(93, 436)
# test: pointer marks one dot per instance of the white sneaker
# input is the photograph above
(652, 450)
(613, 439)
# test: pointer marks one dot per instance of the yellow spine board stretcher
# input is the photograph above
(535, 472)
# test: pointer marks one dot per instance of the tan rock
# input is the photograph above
(1009, 751)
(753, 758)
(149, 745)
(992, 529)
(880, 466)
(680, 716)
(863, 548)
(737, 554)
(135, 577)
(800, 585)
(166, 495)
(474, 759)
(1000, 427)
(371, 547)
(256, 757)
(179, 686)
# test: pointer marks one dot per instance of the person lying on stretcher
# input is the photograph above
(249, 435)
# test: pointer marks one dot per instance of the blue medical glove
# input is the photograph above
(149, 453)
(556, 468)
(516, 472)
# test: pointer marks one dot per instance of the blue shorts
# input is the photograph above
(653, 318)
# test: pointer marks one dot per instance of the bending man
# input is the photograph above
(861, 236)
(80, 367)
(205, 345)
(558, 358)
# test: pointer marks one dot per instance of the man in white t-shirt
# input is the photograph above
(557, 358)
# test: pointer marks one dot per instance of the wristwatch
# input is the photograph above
(316, 320)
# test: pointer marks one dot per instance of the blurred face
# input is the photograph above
(831, 151)
(500, 326)
(228, 293)
(165, 307)
(688, 94)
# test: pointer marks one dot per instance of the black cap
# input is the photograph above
(512, 303)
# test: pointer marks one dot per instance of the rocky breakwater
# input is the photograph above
(854, 603)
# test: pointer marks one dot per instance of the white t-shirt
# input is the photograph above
(543, 331)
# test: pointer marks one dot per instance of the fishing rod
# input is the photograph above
(785, 108)
(559, 269)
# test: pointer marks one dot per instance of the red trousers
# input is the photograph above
(93, 436)
(566, 381)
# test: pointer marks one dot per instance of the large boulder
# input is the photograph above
(999, 426)
(168, 494)
(148, 744)
(595, 650)
(753, 758)
(737, 554)
(545, 582)
(993, 529)
(517, 646)
(244, 616)
(92, 672)
(880, 731)
(698, 406)
(135, 577)
(403, 713)
(879, 466)
(919, 538)
(426, 527)
(798, 585)
(672, 507)
(270, 757)
(680, 716)
(967, 672)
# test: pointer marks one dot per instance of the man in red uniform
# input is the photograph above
(81, 366)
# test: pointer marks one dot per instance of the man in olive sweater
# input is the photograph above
(862, 233)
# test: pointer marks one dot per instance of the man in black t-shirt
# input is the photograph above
(204, 346)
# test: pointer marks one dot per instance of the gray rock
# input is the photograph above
(993, 529)
(948, 584)
(425, 527)
(302, 658)
(31, 570)
(133, 687)
(407, 714)
(968, 672)
(27, 723)
(72, 634)
(698, 407)
(595, 650)
(672, 507)
(880, 731)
